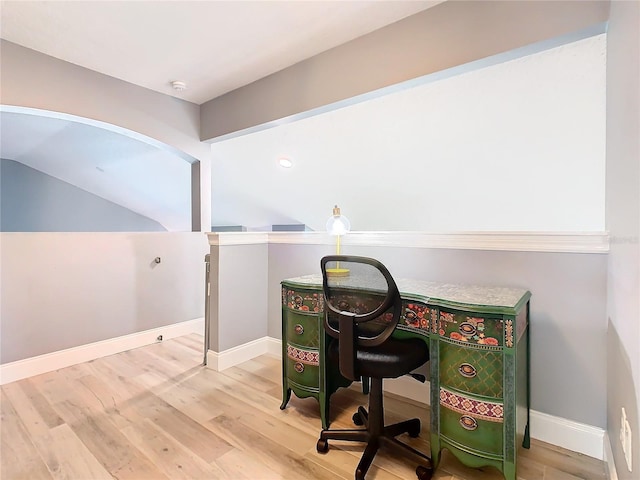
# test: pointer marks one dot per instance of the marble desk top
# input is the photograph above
(435, 292)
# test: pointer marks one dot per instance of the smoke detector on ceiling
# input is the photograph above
(178, 86)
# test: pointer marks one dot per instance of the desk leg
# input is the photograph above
(324, 410)
(435, 450)
(509, 471)
(526, 441)
(434, 392)
(286, 395)
(286, 391)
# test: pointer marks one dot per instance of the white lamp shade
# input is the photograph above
(338, 225)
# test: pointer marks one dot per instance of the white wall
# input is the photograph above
(515, 146)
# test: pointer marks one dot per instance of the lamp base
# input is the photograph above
(338, 272)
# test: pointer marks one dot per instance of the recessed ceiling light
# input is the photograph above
(285, 162)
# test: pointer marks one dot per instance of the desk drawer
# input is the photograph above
(469, 329)
(303, 366)
(476, 424)
(303, 300)
(472, 370)
(303, 329)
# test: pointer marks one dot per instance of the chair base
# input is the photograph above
(375, 435)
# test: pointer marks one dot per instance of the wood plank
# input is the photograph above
(257, 380)
(193, 341)
(172, 458)
(193, 402)
(284, 433)
(94, 420)
(106, 442)
(276, 457)
(20, 458)
(32, 407)
(239, 400)
(237, 464)
(186, 431)
(67, 457)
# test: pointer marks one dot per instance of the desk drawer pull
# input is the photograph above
(467, 329)
(468, 423)
(467, 370)
(299, 329)
(299, 367)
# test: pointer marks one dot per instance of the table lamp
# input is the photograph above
(338, 225)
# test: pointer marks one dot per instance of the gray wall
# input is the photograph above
(239, 295)
(445, 36)
(623, 223)
(32, 201)
(568, 326)
(32, 79)
(63, 290)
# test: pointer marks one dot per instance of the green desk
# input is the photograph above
(478, 341)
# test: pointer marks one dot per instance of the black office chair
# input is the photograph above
(362, 308)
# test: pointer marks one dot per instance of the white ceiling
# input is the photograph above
(213, 46)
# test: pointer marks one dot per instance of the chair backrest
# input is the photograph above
(362, 305)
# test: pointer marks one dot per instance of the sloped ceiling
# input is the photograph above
(127, 171)
(213, 46)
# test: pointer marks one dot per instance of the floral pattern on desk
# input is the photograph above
(301, 300)
(461, 328)
(419, 316)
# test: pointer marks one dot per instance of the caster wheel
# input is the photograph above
(357, 419)
(424, 473)
(322, 446)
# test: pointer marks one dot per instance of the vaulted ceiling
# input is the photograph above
(212, 46)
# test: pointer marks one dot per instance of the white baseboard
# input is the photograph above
(610, 464)
(274, 346)
(13, 371)
(220, 361)
(575, 436)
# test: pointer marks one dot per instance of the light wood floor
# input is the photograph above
(156, 413)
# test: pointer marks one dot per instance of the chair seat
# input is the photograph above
(392, 359)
